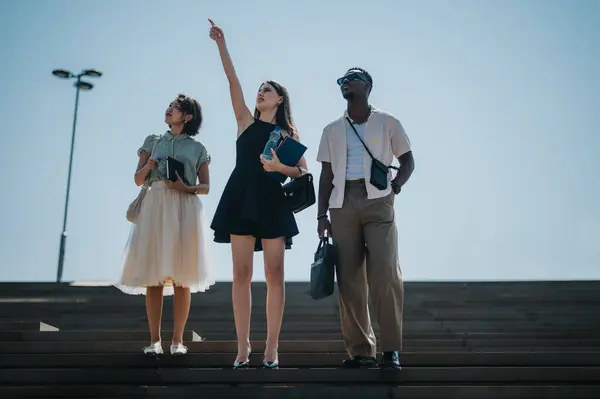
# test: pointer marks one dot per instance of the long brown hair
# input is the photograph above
(283, 115)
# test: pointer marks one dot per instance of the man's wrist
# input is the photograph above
(396, 188)
(322, 216)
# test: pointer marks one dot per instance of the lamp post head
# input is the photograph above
(84, 85)
(92, 73)
(62, 73)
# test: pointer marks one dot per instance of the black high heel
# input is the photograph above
(243, 365)
(270, 365)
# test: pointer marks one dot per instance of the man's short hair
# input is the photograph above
(364, 72)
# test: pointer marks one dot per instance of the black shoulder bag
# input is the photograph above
(300, 192)
(379, 171)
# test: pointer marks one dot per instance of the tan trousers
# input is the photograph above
(364, 231)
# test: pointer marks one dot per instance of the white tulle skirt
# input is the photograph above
(167, 245)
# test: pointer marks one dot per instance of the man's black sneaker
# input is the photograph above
(361, 362)
(390, 360)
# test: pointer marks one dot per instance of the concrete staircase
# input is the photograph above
(462, 340)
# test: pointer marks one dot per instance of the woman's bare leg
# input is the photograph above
(274, 252)
(181, 310)
(154, 305)
(242, 248)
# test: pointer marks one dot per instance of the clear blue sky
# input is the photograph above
(500, 99)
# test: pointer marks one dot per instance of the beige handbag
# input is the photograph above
(136, 205)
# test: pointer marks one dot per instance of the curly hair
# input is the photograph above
(190, 106)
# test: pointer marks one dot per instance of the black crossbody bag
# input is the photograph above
(379, 171)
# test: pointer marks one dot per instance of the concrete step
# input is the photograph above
(491, 339)
(449, 343)
(189, 335)
(198, 347)
(409, 375)
(322, 391)
(209, 346)
(84, 321)
(298, 360)
(29, 325)
(501, 288)
(90, 335)
(476, 306)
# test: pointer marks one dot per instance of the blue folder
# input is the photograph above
(289, 152)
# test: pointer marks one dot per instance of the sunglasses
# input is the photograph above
(350, 77)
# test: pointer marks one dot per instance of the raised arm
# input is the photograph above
(243, 115)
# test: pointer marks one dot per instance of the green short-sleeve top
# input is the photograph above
(183, 148)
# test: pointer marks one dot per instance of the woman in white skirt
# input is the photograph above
(167, 253)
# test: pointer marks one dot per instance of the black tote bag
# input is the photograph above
(322, 271)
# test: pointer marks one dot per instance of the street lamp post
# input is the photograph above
(80, 85)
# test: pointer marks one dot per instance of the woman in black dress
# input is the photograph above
(253, 214)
